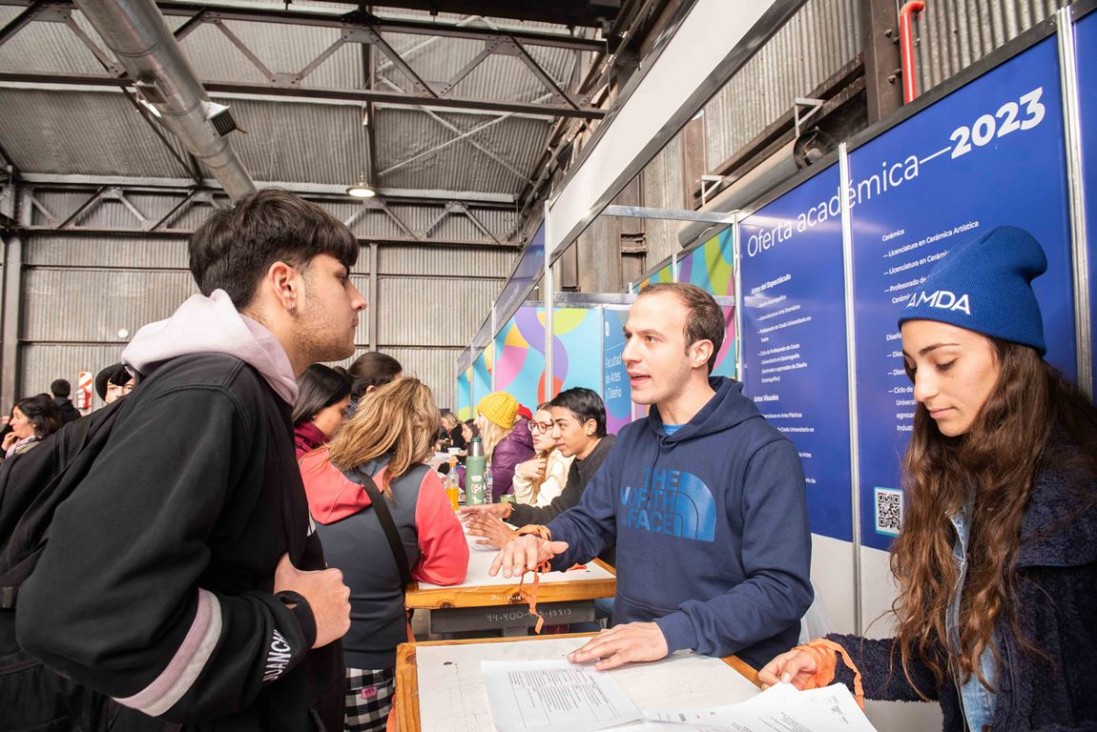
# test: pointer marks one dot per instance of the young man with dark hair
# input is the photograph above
(182, 578)
(61, 389)
(579, 428)
(703, 500)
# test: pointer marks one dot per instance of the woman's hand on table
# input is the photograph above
(621, 644)
(493, 531)
(795, 667)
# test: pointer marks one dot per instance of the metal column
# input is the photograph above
(12, 299)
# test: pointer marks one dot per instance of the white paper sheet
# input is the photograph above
(554, 696)
(781, 708)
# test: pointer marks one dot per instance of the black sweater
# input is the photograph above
(1057, 611)
(579, 474)
(155, 587)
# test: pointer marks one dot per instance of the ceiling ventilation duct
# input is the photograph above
(137, 34)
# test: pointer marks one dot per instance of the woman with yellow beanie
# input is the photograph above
(507, 439)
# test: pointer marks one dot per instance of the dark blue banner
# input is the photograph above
(794, 338)
(616, 391)
(1086, 36)
(529, 269)
(990, 153)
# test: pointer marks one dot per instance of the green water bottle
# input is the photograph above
(475, 465)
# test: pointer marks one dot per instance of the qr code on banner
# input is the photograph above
(889, 511)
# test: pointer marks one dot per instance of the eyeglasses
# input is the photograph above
(542, 427)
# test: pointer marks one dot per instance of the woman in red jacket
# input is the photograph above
(388, 438)
(321, 409)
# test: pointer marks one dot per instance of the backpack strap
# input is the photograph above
(364, 479)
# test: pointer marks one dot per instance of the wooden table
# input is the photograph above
(483, 602)
(407, 710)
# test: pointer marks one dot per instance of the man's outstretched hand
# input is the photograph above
(524, 554)
(621, 644)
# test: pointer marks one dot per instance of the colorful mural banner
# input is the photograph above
(725, 358)
(481, 376)
(464, 395)
(666, 274)
(576, 355)
(710, 266)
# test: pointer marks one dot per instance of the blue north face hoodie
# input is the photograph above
(711, 529)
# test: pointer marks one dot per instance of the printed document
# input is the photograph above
(549, 696)
(780, 708)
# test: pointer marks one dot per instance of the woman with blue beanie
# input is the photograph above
(996, 562)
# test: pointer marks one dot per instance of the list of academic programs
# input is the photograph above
(991, 153)
(794, 338)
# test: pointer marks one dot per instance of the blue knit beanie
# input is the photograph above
(985, 285)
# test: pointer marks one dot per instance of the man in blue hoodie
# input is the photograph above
(182, 578)
(704, 501)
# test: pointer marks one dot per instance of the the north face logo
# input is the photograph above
(942, 299)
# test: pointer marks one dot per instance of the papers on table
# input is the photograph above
(453, 697)
(554, 695)
(781, 708)
(557, 696)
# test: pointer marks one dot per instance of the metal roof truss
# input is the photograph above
(356, 27)
(372, 221)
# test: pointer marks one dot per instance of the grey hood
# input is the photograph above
(213, 325)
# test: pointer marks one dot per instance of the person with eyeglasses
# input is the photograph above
(540, 479)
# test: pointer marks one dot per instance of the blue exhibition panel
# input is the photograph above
(989, 153)
(1086, 38)
(616, 391)
(794, 338)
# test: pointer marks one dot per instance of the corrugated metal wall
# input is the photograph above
(953, 34)
(663, 188)
(84, 295)
(821, 37)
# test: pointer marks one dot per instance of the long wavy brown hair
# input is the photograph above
(1033, 418)
(398, 419)
(536, 483)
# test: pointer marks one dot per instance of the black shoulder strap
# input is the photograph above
(364, 479)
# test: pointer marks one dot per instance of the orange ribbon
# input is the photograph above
(530, 596)
(826, 653)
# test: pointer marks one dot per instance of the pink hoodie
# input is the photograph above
(213, 325)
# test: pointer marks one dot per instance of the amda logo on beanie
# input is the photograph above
(941, 299)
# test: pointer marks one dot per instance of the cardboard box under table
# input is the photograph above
(440, 687)
(483, 603)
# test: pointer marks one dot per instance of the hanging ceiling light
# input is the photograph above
(361, 189)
